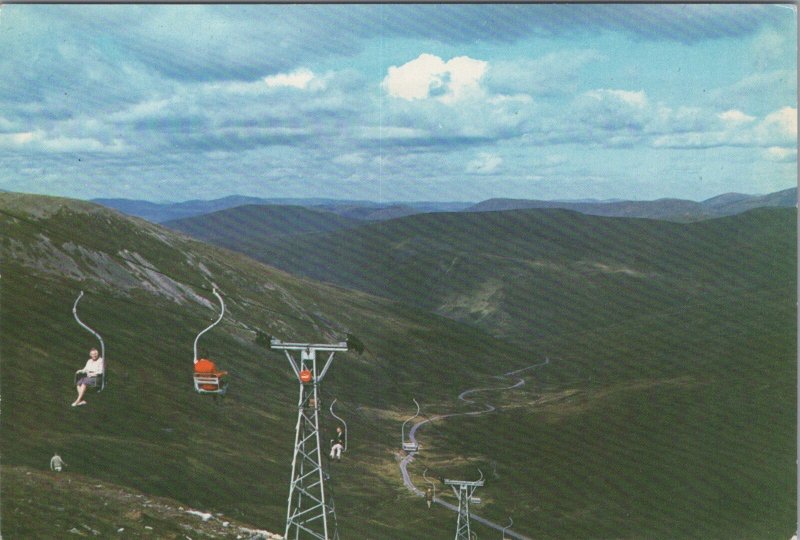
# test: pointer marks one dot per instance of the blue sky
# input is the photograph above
(398, 102)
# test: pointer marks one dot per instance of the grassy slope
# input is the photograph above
(675, 422)
(64, 505)
(148, 430)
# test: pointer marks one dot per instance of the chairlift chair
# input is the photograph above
(428, 480)
(210, 382)
(510, 524)
(99, 381)
(343, 423)
(409, 446)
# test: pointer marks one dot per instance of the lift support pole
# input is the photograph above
(308, 514)
(464, 490)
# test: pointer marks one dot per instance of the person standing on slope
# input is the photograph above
(56, 463)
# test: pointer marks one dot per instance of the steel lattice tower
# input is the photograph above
(308, 514)
(464, 491)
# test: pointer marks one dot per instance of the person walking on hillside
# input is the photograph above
(338, 444)
(56, 463)
(429, 497)
(89, 374)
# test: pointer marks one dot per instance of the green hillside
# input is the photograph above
(147, 294)
(534, 273)
(667, 409)
(225, 227)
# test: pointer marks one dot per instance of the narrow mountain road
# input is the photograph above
(489, 408)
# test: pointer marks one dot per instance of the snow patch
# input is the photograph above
(258, 534)
(202, 515)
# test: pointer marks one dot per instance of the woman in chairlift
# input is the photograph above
(88, 375)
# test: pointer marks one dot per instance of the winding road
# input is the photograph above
(489, 408)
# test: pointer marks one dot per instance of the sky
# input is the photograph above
(382, 102)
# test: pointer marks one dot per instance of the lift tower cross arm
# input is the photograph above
(464, 490)
(309, 514)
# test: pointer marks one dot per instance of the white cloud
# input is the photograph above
(782, 123)
(554, 74)
(776, 130)
(19, 138)
(428, 76)
(353, 159)
(390, 132)
(151, 108)
(734, 116)
(5, 124)
(39, 140)
(299, 79)
(485, 163)
(635, 99)
(780, 154)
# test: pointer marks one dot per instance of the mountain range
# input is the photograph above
(669, 209)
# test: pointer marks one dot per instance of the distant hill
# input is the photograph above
(678, 210)
(735, 203)
(235, 227)
(368, 213)
(159, 212)
(365, 210)
(494, 269)
(667, 209)
(667, 408)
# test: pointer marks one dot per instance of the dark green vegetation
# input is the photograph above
(667, 410)
(534, 273)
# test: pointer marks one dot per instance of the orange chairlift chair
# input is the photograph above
(207, 378)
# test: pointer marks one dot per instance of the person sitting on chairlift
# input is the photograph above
(338, 444)
(89, 374)
(205, 366)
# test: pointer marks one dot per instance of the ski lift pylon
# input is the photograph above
(409, 446)
(100, 380)
(207, 380)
